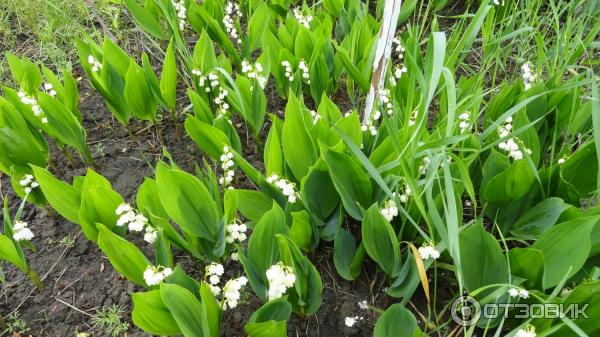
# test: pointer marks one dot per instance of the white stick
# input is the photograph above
(391, 12)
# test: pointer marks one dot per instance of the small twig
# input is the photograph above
(73, 307)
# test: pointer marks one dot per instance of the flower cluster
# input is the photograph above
(35, 108)
(464, 119)
(96, 65)
(213, 273)
(305, 72)
(22, 232)
(254, 71)
(289, 73)
(231, 292)
(510, 145)
(154, 275)
(281, 278)
(221, 102)
(528, 75)
(399, 70)
(428, 252)
(398, 47)
(386, 101)
(302, 19)
(49, 88)
(529, 331)
(406, 194)
(236, 232)
(208, 82)
(370, 124)
(181, 12)
(135, 222)
(521, 293)
(389, 210)
(287, 188)
(232, 12)
(226, 165)
(28, 183)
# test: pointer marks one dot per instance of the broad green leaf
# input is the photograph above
(185, 308)
(152, 315)
(540, 218)
(351, 182)
(511, 184)
(168, 78)
(396, 321)
(301, 230)
(98, 205)
(208, 138)
(146, 21)
(188, 202)
(270, 319)
(307, 297)
(318, 192)
(380, 241)
(62, 197)
(347, 257)
(528, 264)
(9, 252)
(481, 258)
(262, 248)
(138, 94)
(298, 147)
(127, 259)
(565, 246)
(252, 204)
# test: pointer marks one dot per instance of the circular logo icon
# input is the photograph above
(465, 311)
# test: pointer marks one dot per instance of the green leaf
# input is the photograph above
(307, 297)
(186, 309)
(351, 182)
(146, 21)
(127, 259)
(380, 241)
(540, 218)
(273, 155)
(138, 94)
(318, 191)
(188, 202)
(566, 247)
(62, 197)
(347, 257)
(396, 321)
(270, 319)
(301, 230)
(98, 205)
(511, 184)
(208, 138)
(168, 78)
(481, 258)
(298, 148)
(152, 315)
(528, 264)
(9, 252)
(252, 204)
(262, 248)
